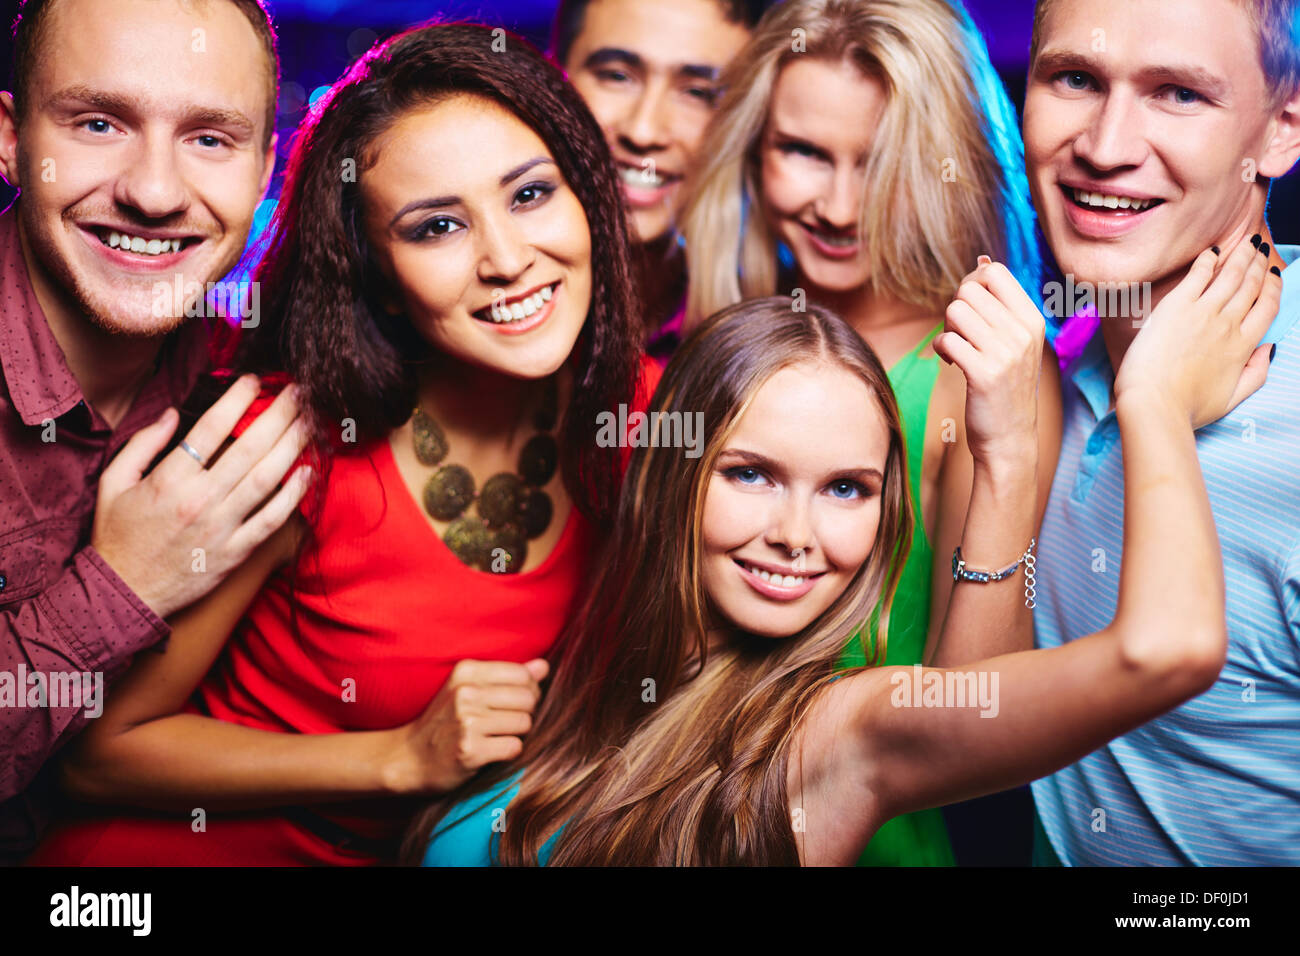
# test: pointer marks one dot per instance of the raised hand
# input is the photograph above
(476, 719)
(174, 535)
(1197, 350)
(994, 332)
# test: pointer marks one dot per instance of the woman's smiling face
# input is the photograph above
(484, 246)
(813, 158)
(792, 507)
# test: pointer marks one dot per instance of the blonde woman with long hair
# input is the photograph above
(698, 715)
(864, 153)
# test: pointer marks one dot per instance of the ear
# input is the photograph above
(269, 161)
(1283, 150)
(9, 140)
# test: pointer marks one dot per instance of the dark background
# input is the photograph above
(319, 38)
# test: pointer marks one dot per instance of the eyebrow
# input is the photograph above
(772, 465)
(1193, 77)
(610, 54)
(73, 96)
(441, 202)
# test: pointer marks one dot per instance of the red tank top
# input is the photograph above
(384, 611)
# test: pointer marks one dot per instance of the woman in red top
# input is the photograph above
(450, 240)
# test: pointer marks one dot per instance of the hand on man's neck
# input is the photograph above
(111, 368)
(1118, 334)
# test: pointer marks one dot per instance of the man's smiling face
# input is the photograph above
(1144, 132)
(146, 121)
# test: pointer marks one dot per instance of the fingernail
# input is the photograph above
(1256, 239)
(1275, 270)
(1215, 250)
(1264, 248)
(1272, 353)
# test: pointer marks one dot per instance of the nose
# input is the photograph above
(838, 205)
(152, 182)
(504, 251)
(644, 129)
(791, 527)
(1111, 139)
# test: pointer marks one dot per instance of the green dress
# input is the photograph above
(915, 839)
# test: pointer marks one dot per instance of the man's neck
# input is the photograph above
(659, 270)
(1118, 334)
(110, 368)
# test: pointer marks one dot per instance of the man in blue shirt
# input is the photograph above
(1152, 130)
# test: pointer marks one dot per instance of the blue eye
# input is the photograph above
(97, 125)
(210, 142)
(847, 490)
(744, 474)
(1185, 97)
(1076, 80)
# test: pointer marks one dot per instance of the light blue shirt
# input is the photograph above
(1216, 781)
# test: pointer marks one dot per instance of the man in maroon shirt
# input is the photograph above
(141, 137)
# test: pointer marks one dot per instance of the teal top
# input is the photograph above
(467, 835)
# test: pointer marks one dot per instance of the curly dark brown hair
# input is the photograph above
(323, 321)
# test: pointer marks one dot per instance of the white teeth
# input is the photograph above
(141, 246)
(1105, 201)
(779, 580)
(641, 177)
(521, 309)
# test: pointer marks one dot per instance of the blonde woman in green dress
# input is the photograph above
(863, 156)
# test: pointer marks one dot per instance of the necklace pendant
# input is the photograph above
(499, 501)
(430, 440)
(470, 541)
(449, 492)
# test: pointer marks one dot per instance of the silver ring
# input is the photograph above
(190, 450)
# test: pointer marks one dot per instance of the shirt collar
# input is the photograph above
(36, 374)
(1093, 376)
(1288, 312)
(35, 371)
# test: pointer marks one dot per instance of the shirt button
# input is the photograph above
(1096, 442)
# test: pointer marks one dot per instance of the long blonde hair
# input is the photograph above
(945, 180)
(649, 747)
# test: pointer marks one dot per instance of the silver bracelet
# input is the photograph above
(960, 573)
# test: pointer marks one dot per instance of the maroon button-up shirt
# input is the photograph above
(64, 613)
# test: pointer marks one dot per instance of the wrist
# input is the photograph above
(392, 768)
(1147, 405)
(1012, 467)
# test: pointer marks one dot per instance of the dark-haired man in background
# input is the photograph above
(650, 70)
(140, 135)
